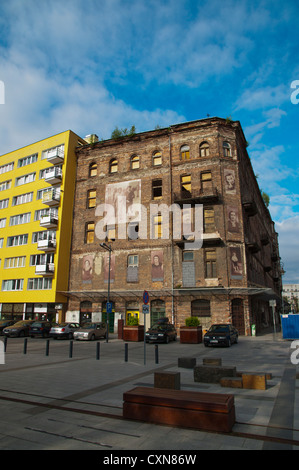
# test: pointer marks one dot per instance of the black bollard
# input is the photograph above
(5, 343)
(47, 347)
(25, 346)
(156, 354)
(71, 349)
(98, 351)
(126, 352)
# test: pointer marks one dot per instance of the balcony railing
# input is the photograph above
(46, 269)
(49, 221)
(54, 175)
(51, 198)
(46, 245)
(55, 156)
(207, 194)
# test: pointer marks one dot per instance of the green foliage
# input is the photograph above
(266, 198)
(192, 321)
(132, 321)
(120, 133)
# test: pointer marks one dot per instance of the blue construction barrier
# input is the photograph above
(290, 326)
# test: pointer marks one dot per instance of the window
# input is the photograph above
(188, 256)
(27, 160)
(4, 203)
(17, 240)
(132, 268)
(20, 219)
(25, 179)
(227, 152)
(113, 166)
(111, 233)
(185, 152)
(133, 229)
(91, 198)
(22, 199)
(6, 168)
(158, 226)
(37, 260)
(93, 169)
(204, 149)
(186, 185)
(89, 232)
(39, 283)
(135, 162)
(157, 159)
(12, 285)
(206, 180)
(208, 220)
(2, 223)
(5, 185)
(17, 262)
(210, 264)
(200, 308)
(157, 189)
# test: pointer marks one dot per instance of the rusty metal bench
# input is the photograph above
(182, 408)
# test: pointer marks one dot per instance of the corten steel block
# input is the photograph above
(212, 361)
(254, 381)
(213, 374)
(170, 380)
(204, 411)
(233, 382)
(187, 362)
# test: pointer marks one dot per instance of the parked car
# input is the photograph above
(21, 328)
(91, 331)
(40, 328)
(4, 324)
(64, 330)
(161, 332)
(221, 335)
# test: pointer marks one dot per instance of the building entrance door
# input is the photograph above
(157, 310)
(238, 315)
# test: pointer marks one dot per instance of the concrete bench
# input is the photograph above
(170, 380)
(197, 410)
(187, 362)
(213, 374)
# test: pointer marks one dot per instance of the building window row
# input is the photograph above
(204, 152)
(37, 283)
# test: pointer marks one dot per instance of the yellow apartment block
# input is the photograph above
(37, 185)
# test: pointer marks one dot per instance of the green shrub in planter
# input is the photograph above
(192, 321)
(132, 321)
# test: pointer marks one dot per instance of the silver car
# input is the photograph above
(91, 331)
(64, 330)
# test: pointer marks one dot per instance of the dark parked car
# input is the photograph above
(21, 328)
(161, 332)
(40, 328)
(221, 335)
(4, 324)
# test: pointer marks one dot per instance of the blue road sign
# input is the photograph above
(145, 297)
(109, 307)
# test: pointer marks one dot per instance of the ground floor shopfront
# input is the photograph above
(247, 309)
(33, 311)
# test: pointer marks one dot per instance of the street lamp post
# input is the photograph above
(109, 249)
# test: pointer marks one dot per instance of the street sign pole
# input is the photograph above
(145, 310)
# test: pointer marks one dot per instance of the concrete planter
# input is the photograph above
(133, 333)
(191, 334)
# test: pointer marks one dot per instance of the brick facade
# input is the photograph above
(229, 279)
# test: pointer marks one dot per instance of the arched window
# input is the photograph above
(204, 149)
(113, 167)
(93, 169)
(157, 158)
(227, 151)
(185, 152)
(135, 162)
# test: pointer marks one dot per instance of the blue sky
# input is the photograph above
(92, 65)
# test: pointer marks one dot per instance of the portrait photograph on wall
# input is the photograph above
(157, 265)
(87, 268)
(236, 265)
(229, 181)
(233, 224)
(122, 195)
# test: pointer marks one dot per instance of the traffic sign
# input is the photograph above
(145, 297)
(145, 309)
(109, 307)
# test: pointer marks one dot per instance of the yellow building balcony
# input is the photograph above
(46, 269)
(46, 245)
(55, 156)
(51, 198)
(53, 175)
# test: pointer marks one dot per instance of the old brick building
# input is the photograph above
(203, 168)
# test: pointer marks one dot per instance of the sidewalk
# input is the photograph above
(59, 403)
